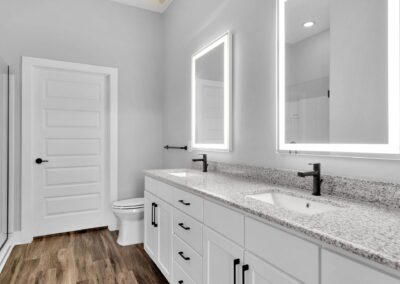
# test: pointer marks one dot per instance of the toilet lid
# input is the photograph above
(129, 203)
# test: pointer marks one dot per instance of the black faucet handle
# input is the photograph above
(314, 164)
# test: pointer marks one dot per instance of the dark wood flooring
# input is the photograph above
(81, 257)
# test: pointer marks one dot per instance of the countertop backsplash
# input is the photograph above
(377, 193)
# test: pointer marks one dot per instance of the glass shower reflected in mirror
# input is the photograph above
(336, 55)
(4, 162)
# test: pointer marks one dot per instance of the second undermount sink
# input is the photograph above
(293, 203)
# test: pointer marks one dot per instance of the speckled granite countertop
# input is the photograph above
(365, 230)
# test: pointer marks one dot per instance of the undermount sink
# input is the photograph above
(292, 203)
(179, 174)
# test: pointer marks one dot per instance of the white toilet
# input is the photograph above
(130, 215)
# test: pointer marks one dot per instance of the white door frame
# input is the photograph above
(27, 199)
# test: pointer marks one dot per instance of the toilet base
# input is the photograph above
(131, 232)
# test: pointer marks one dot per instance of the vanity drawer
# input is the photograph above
(338, 269)
(291, 254)
(159, 189)
(180, 275)
(225, 221)
(188, 203)
(189, 230)
(189, 260)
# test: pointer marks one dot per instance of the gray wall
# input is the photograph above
(97, 32)
(188, 24)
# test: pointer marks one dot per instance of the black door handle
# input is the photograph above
(236, 262)
(244, 269)
(183, 227)
(39, 161)
(183, 256)
(155, 206)
(184, 203)
(152, 214)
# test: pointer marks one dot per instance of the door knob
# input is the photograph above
(39, 161)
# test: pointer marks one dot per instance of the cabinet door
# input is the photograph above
(258, 271)
(164, 224)
(222, 259)
(150, 231)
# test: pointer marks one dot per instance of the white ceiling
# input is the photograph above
(297, 12)
(153, 5)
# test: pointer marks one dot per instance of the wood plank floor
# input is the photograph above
(82, 257)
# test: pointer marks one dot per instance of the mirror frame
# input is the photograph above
(226, 41)
(393, 146)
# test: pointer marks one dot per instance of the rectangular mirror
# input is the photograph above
(211, 96)
(339, 76)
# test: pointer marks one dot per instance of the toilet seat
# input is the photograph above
(134, 203)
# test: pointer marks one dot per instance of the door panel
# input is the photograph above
(164, 230)
(72, 147)
(150, 233)
(69, 126)
(261, 272)
(219, 259)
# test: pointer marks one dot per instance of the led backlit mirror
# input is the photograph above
(211, 96)
(339, 76)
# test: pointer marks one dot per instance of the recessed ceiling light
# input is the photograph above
(309, 24)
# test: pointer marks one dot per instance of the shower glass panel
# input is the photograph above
(4, 134)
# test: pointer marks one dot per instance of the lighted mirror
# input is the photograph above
(338, 76)
(211, 96)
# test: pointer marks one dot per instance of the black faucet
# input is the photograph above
(204, 160)
(316, 174)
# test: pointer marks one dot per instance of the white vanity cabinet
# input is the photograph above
(222, 258)
(195, 240)
(298, 257)
(261, 272)
(158, 233)
(338, 269)
(150, 231)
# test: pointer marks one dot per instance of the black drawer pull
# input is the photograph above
(236, 262)
(183, 256)
(183, 227)
(244, 269)
(155, 206)
(180, 282)
(184, 203)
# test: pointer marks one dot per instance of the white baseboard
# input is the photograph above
(13, 240)
(4, 254)
(112, 222)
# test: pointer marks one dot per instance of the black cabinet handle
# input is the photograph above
(236, 262)
(244, 269)
(184, 203)
(40, 160)
(183, 256)
(183, 227)
(152, 214)
(155, 207)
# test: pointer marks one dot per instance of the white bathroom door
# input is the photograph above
(70, 150)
